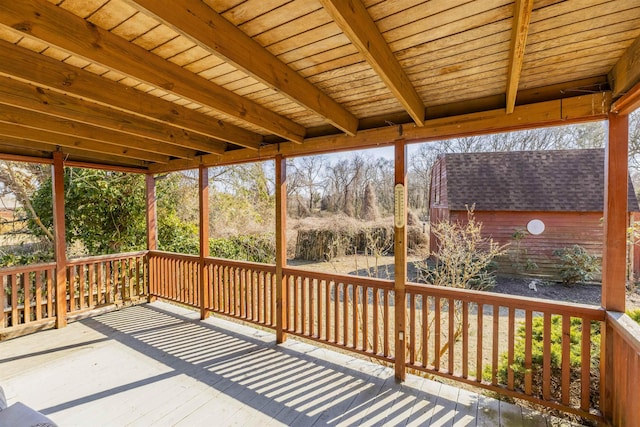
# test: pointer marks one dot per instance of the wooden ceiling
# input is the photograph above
(154, 86)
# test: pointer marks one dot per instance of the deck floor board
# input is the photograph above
(157, 364)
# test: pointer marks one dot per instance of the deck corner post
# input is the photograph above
(614, 263)
(281, 248)
(57, 177)
(152, 231)
(400, 255)
(203, 201)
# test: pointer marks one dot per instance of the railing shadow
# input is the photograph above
(294, 383)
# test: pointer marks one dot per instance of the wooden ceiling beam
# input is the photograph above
(47, 149)
(215, 34)
(628, 103)
(43, 100)
(519, 33)
(63, 29)
(355, 21)
(15, 131)
(27, 118)
(549, 113)
(66, 79)
(626, 73)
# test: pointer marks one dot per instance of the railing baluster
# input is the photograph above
(496, 342)
(385, 320)
(345, 314)
(38, 295)
(412, 328)
(425, 330)
(546, 357)
(511, 351)
(566, 358)
(465, 339)
(15, 320)
(452, 337)
(26, 286)
(437, 322)
(479, 343)
(585, 360)
(376, 323)
(527, 352)
(365, 319)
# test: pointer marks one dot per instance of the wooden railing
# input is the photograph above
(102, 280)
(355, 313)
(538, 350)
(243, 290)
(27, 294)
(175, 277)
(622, 370)
(504, 343)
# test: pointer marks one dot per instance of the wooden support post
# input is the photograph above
(152, 217)
(281, 247)
(400, 254)
(614, 250)
(204, 239)
(59, 230)
(614, 261)
(152, 233)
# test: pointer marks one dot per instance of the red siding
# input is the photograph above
(562, 229)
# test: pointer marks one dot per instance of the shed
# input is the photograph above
(535, 201)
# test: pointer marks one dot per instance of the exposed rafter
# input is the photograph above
(27, 118)
(15, 131)
(69, 80)
(354, 19)
(626, 73)
(27, 147)
(46, 101)
(519, 32)
(54, 25)
(214, 33)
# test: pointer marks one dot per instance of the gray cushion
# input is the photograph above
(20, 415)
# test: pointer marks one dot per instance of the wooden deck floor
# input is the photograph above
(158, 365)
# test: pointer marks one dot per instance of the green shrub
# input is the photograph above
(576, 264)
(537, 355)
(250, 247)
(634, 314)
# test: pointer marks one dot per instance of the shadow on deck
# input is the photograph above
(159, 365)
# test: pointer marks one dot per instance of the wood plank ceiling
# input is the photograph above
(158, 86)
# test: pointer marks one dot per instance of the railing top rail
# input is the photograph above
(173, 255)
(235, 263)
(340, 278)
(27, 268)
(102, 258)
(490, 298)
(626, 327)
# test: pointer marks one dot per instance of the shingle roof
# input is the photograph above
(560, 180)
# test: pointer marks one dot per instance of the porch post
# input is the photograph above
(57, 177)
(204, 238)
(152, 233)
(614, 250)
(400, 255)
(281, 247)
(152, 217)
(615, 214)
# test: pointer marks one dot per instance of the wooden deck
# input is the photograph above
(159, 365)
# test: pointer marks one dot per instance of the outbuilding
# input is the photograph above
(535, 201)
